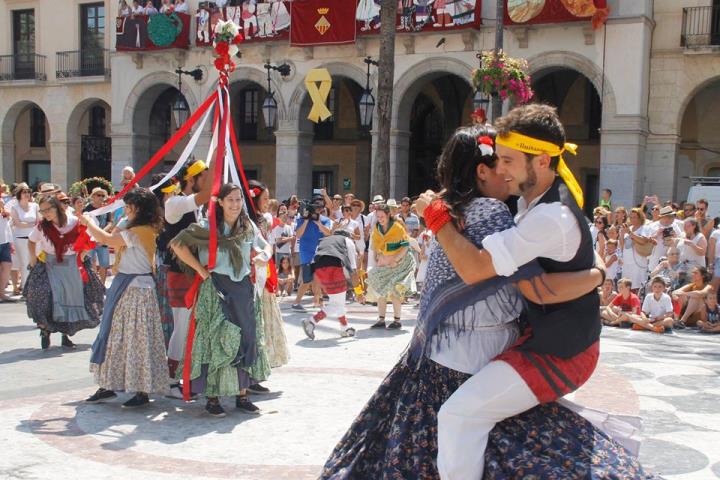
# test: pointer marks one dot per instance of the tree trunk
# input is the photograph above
(499, 24)
(380, 183)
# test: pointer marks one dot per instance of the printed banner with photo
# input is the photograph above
(155, 32)
(529, 12)
(262, 20)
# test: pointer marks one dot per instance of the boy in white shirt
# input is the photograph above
(657, 310)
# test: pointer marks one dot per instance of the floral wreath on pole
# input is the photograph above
(85, 186)
(502, 75)
(226, 39)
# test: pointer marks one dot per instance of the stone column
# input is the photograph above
(399, 163)
(74, 164)
(59, 164)
(7, 160)
(622, 161)
(661, 167)
(293, 162)
(122, 154)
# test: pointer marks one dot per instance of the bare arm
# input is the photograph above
(712, 245)
(187, 257)
(114, 240)
(325, 231)
(203, 196)
(301, 229)
(698, 248)
(33, 256)
(16, 220)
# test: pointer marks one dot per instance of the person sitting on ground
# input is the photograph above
(286, 279)
(607, 293)
(710, 315)
(657, 313)
(692, 297)
(626, 302)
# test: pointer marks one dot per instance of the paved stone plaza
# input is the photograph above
(46, 431)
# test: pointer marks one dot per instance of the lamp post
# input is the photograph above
(269, 106)
(367, 101)
(180, 108)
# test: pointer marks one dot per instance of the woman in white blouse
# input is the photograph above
(24, 218)
(692, 244)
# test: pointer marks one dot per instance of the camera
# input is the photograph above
(308, 210)
(667, 232)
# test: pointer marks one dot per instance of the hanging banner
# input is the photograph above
(322, 22)
(531, 12)
(154, 32)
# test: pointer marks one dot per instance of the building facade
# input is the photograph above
(639, 96)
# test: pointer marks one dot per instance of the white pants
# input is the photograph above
(465, 420)
(335, 308)
(181, 322)
(22, 254)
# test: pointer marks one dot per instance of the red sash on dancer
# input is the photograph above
(77, 237)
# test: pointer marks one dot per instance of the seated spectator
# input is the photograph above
(150, 8)
(710, 315)
(670, 268)
(657, 313)
(624, 304)
(286, 279)
(607, 293)
(692, 297)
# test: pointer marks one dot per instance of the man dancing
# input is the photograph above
(181, 211)
(560, 349)
(335, 257)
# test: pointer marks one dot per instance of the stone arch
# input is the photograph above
(565, 59)
(73, 135)
(336, 69)
(7, 137)
(689, 96)
(145, 91)
(411, 82)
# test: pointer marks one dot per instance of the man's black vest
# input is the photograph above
(170, 230)
(566, 329)
(333, 246)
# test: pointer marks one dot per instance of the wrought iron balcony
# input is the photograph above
(700, 27)
(22, 66)
(88, 62)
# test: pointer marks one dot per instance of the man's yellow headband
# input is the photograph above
(195, 169)
(169, 188)
(533, 146)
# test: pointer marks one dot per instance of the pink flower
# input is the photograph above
(486, 78)
(497, 83)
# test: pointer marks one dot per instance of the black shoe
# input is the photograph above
(44, 339)
(138, 400)
(379, 324)
(214, 408)
(258, 389)
(396, 325)
(66, 342)
(298, 307)
(242, 403)
(100, 396)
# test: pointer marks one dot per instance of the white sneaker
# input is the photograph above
(309, 327)
(348, 332)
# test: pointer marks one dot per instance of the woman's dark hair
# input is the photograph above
(242, 223)
(280, 263)
(58, 206)
(19, 192)
(158, 193)
(456, 168)
(147, 208)
(706, 276)
(605, 224)
(258, 187)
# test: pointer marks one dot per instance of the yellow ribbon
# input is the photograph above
(533, 146)
(318, 82)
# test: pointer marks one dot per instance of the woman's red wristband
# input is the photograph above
(437, 214)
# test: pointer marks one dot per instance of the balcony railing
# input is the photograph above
(22, 66)
(89, 62)
(701, 27)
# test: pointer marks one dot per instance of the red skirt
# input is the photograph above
(177, 286)
(332, 279)
(550, 377)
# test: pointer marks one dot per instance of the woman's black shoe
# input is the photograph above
(396, 325)
(379, 324)
(214, 408)
(100, 396)
(258, 389)
(138, 400)
(66, 342)
(44, 339)
(242, 403)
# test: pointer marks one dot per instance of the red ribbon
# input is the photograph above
(217, 179)
(165, 149)
(83, 243)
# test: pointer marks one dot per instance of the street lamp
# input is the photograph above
(480, 100)
(269, 106)
(367, 101)
(180, 108)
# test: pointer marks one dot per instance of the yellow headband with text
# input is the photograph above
(533, 146)
(195, 169)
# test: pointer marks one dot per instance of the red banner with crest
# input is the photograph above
(322, 22)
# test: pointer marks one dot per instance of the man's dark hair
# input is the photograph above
(537, 121)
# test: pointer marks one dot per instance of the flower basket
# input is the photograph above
(506, 76)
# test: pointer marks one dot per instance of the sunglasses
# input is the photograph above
(44, 210)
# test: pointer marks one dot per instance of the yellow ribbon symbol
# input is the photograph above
(318, 82)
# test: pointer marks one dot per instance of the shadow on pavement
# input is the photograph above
(29, 354)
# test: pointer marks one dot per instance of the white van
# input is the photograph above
(709, 189)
